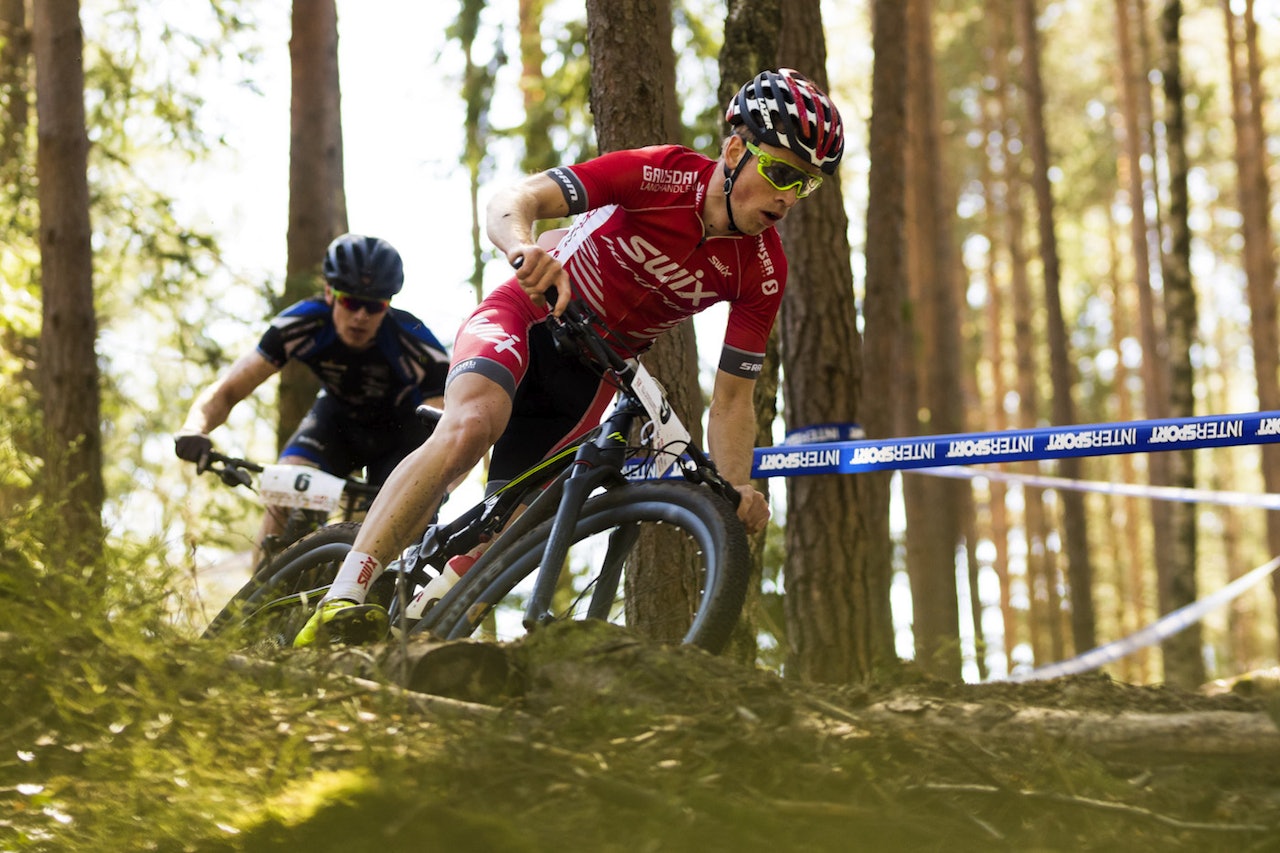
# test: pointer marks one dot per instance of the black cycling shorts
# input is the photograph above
(341, 445)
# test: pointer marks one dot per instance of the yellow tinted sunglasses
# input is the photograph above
(781, 175)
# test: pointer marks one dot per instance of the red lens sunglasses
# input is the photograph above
(356, 303)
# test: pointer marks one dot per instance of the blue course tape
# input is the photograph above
(853, 457)
(1156, 632)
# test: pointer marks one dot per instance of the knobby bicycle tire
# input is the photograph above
(274, 605)
(707, 604)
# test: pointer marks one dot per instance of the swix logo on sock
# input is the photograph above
(367, 567)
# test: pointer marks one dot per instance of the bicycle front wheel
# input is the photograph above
(668, 560)
(271, 608)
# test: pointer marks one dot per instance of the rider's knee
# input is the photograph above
(467, 435)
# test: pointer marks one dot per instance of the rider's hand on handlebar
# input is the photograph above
(753, 509)
(536, 272)
(193, 447)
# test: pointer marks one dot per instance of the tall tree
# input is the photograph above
(751, 32)
(839, 624)
(633, 97)
(68, 367)
(539, 152)
(1247, 98)
(995, 323)
(885, 302)
(19, 338)
(932, 402)
(317, 198)
(15, 56)
(1183, 663)
(477, 92)
(1135, 109)
(1080, 571)
(1047, 638)
(1156, 354)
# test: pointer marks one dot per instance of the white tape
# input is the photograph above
(1154, 633)
(1168, 493)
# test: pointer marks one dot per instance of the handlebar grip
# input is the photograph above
(429, 415)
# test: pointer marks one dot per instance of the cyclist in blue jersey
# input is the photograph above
(375, 364)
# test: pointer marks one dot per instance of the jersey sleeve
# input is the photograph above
(613, 178)
(427, 360)
(292, 330)
(752, 314)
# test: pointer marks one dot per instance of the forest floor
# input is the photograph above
(583, 738)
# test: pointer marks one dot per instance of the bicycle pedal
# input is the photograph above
(358, 625)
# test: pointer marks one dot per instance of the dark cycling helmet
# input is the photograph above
(785, 109)
(363, 266)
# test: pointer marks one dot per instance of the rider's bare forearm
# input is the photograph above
(731, 428)
(212, 408)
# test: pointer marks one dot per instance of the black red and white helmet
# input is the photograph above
(784, 108)
(363, 266)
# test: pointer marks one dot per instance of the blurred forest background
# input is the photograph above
(1050, 212)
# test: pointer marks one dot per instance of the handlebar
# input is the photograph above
(232, 471)
(235, 471)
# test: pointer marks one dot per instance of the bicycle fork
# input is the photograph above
(592, 467)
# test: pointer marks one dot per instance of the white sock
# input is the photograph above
(357, 574)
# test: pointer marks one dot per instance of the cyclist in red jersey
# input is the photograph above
(661, 234)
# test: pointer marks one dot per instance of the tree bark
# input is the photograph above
(15, 62)
(1183, 662)
(68, 368)
(317, 199)
(995, 316)
(1079, 568)
(885, 301)
(932, 348)
(633, 98)
(837, 603)
(1247, 97)
(751, 33)
(477, 91)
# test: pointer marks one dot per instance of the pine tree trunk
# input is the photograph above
(317, 200)
(751, 32)
(68, 368)
(477, 91)
(1183, 662)
(885, 298)
(1080, 571)
(1247, 97)
(933, 504)
(995, 322)
(15, 61)
(633, 98)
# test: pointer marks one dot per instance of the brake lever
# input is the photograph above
(233, 476)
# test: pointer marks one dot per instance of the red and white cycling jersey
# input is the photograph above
(637, 256)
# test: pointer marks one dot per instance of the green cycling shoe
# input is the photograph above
(345, 622)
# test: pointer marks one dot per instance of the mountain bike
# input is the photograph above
(566, 539)
(307, 496)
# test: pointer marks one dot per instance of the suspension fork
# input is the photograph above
(595, 464)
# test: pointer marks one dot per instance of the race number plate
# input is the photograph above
(668, 433)
(300, 486)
